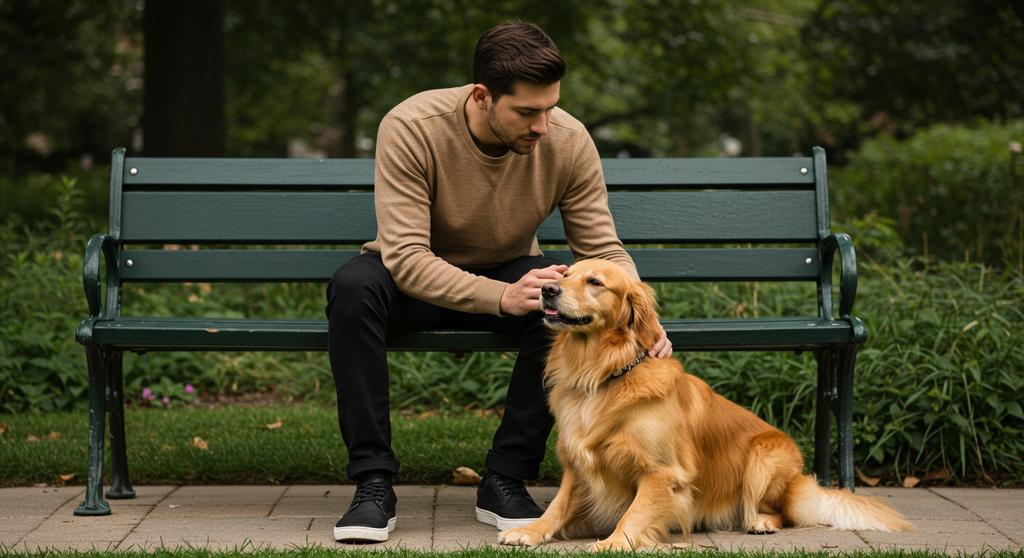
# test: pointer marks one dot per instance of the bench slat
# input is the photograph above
(358, 173)
(347, 218)
(311, 335)
(668, 264)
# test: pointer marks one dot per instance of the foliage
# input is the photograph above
(903, 65)
(938, 384)
(953, 191)
(40, 305)
(71, 79)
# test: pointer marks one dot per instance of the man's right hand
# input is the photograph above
(523, 296)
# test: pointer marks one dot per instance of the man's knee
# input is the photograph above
(359, 282)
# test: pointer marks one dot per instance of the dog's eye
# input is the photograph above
(595, 282)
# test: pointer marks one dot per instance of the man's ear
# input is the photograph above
(643, 308)
(480, 94)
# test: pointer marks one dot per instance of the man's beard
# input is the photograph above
(507, 139)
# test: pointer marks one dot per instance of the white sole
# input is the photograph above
(345, 534)
(491, 518)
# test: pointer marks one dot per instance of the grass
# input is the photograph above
(253, 444)
(319, 551)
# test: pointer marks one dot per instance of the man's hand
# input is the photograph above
(663, 348)
(523, 296)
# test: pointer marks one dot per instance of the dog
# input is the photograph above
(648, 449)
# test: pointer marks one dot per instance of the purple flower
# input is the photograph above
(166, 401)
(189, 388)
(148, 394)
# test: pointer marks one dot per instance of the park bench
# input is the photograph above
(747, 219)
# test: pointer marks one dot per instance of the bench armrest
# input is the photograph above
(99, 245)
(842, 243)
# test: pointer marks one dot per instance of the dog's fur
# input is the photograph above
(655, 449)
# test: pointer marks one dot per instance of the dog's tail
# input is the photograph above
(809, 504)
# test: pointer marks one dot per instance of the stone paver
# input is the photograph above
(951, 520)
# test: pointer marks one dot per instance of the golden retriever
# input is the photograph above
(647, 449)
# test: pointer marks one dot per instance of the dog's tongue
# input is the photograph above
(550, 311)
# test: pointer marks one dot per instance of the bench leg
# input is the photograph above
(847, 361)
(823, 415)
(120, 487)
(94, 503)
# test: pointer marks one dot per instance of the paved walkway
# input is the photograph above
(949, 520)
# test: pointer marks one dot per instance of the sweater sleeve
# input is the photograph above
(589, 228)
(402, 200)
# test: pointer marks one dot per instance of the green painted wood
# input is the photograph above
(821, 192)
(346, 218)
(358, 173)
(747, 171)
(667, 264)
(302, 335)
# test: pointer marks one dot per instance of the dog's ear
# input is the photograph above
(639, 313)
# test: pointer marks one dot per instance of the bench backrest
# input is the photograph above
(279, 204)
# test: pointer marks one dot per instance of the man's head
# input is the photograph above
(516, 71)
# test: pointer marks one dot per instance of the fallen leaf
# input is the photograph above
(939, 475)
(200, 443)
(54, 436)
(464, 476)
(275, 425)
(869, 481)
(31, 438)
(910, 481)
(3, 429)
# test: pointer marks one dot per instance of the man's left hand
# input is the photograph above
(663, 348)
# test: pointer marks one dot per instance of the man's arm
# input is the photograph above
(402, 203)
(589, 228)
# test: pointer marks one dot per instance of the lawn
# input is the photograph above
(232, 444)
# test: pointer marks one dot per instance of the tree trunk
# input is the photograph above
(339, 138)
(183, 100)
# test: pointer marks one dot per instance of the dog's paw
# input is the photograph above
(521, 536)
(766, 524)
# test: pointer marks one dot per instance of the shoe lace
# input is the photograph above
(511, 487)
(372, 491)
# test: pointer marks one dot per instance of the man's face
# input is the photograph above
(520, 118)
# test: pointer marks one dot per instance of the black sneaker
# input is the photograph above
(372, 514)
(504, 502)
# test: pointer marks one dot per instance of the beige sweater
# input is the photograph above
(443, 206)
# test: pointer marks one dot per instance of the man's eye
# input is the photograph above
(595, 282)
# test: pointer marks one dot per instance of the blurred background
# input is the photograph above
(919, 105)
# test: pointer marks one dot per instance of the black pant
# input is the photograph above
(365, 308)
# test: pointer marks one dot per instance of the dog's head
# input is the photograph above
(598, 297)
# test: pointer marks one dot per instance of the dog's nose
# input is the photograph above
(551, 290)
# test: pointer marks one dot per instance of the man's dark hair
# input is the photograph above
(516, 51)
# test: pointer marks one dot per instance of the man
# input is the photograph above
(464, 178)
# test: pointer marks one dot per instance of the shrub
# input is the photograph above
(939, 384)
(954, 191)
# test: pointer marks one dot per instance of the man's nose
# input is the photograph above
(540, 127)
(551, 290)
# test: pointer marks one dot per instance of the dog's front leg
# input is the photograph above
(660, 502)
(561, 509)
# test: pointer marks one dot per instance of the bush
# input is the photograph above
(955, 192)
(939, 384)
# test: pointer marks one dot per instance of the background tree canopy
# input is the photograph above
(673, 77)
(649, 78)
